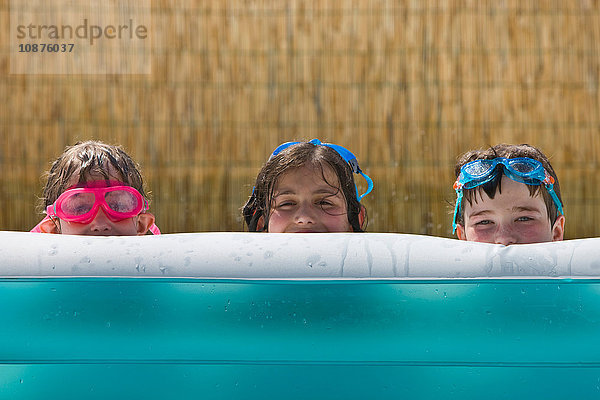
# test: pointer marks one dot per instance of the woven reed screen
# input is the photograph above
(405, 85)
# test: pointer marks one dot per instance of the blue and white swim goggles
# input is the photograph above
(524, 170)
(343, 152)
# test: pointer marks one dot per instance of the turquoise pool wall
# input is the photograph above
(154, 338)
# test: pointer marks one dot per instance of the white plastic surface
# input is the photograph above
(290, 256)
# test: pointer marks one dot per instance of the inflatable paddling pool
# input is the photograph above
(313, 316)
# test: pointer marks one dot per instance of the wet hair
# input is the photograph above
(490, 188)
(298, 156)
(90, 158)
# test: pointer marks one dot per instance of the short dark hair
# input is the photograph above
(297, 156)
(507, 151)
(90, 157)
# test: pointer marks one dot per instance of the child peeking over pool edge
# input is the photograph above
(95, 189)
(507, 194)
(307, 187)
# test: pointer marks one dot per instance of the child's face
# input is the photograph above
(304, 202)
(511, 217)
(101, 225)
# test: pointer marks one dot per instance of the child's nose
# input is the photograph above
(305, 214)
(506, 235)
(100, 223)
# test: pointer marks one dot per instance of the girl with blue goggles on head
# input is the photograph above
(307, 187)
(508, 194)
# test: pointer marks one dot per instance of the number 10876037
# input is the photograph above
(46, 48)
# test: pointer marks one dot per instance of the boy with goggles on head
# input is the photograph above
(508, 194)
(307, 187)
(95, 189)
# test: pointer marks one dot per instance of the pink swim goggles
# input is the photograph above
(81, 204)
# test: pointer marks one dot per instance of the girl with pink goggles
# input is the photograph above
(81, 204)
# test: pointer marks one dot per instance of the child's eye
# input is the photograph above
(484, 222)
(285, 204)
(325, 202)
(77, 206)
(80, 210)
(118, 207)
(524, 219)
(329, 202)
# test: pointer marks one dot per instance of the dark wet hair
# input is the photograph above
(90, 157)
(490, 188)
(297, 156)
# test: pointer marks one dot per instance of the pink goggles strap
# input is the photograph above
(37, 228)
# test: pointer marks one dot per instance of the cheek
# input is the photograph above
(276, 222)
(540, 232)
(479, 235)
(126, 227)
(71, 228)
(337, 223)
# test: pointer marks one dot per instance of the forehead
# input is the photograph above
(513, 195)
(322, 176)
(112, 172)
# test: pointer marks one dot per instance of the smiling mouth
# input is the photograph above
(305, 231)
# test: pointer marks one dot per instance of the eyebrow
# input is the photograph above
(526, 208)
(482, 212)
(515, 209)
(328, 191)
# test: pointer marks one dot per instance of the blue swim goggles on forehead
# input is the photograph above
(524, 170)
(343, 152)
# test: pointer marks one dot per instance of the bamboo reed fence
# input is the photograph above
(405, 85)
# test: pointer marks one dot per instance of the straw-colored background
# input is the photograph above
(405, 85)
